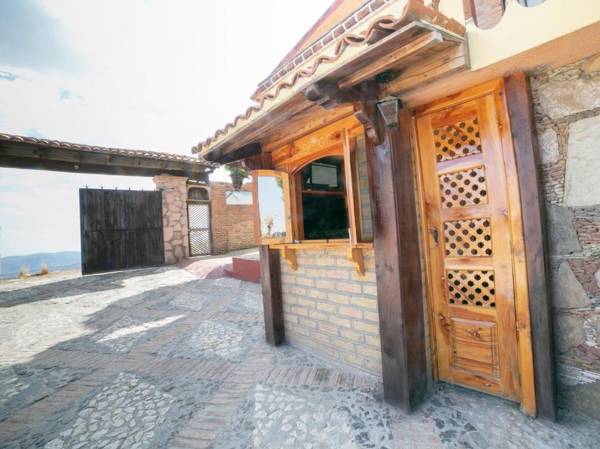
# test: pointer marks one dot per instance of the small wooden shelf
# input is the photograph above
(354, 252)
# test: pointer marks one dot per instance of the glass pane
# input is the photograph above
(271, 207)
(324, 199)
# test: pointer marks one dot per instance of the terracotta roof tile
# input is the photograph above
(107, 150)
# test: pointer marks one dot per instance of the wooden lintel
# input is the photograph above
(392, 59)
(289, 255)
(355, 256)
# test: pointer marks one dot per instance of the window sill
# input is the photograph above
(354, 252)
(322, 245)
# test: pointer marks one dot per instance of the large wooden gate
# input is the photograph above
(120, 229)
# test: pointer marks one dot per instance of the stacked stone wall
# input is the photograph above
(567, 113)
(175, 221)
(331, 310)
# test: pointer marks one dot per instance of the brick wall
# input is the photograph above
(331, 310)
(567, 108)
(232, 226)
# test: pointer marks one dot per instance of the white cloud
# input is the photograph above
(157, 75)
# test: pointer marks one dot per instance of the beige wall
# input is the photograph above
(331, 310)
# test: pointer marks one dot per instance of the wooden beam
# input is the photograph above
(392, 59)
(520, 111)
(32, 156)
(442, 64)
(270, 279)
(398, 266)
(249, 150)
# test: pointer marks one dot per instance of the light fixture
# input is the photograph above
(389, 108)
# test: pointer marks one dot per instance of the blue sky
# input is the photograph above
(153, 74)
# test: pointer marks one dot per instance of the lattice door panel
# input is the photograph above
(463, 188)
(472, 288)
(457, 140)
(468, 238)
(199, 228)
(466, 214)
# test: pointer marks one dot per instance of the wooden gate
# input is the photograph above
(120, 229)
(472, 222)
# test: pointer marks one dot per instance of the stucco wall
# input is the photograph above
(567, 108)
(331, 310)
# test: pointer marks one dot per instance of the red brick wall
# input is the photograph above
(232, 225)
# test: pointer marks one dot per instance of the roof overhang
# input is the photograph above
(52, 155)
(413, 43)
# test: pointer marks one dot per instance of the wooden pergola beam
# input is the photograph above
(37, 157)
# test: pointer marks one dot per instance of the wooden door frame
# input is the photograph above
(519, 260)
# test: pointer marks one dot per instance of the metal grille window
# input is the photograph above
(199, 228)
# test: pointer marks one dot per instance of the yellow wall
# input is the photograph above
(524, 28)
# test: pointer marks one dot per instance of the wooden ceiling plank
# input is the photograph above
(392, 59)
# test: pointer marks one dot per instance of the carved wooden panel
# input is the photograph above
(463, 188)
(475, 346)
(468, 238)
(471, 287)
(457, 140)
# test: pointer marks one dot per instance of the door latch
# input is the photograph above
(434, 233)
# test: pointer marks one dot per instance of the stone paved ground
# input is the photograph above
(158, 358)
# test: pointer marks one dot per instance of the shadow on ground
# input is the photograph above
(158, 358)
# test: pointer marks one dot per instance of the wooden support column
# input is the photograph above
(397, 259)
(270, 279)
(520, 112)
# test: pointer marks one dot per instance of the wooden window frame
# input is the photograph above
(285, 179)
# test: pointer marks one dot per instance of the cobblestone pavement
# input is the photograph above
(158, 358)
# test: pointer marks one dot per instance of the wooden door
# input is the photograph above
(469, 242)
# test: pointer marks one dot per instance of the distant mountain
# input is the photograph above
(64, 260)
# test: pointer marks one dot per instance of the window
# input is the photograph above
(324, 212)
(198, 194)
(322, 197)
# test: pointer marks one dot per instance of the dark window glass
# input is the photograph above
(324, 199)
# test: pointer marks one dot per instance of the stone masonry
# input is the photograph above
(232, 225)
(331, 310)
(175, 221)
(567, 109)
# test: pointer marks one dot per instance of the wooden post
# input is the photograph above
(520, 112)
(270, 279)
(397, 260)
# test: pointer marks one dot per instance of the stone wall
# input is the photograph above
(232, 226)
(175, 222)
(567, 108)
(331, 310)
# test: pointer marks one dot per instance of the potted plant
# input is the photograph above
(237, 175)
